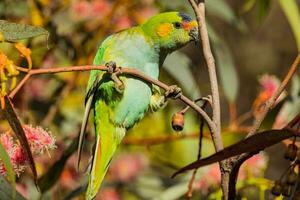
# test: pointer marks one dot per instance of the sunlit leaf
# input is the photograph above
(263, 7)
(6, 191)
(13, 32)
(36, 16)
(227, 72)
(221, 9)
(4, 157)
(16, 126)
(248, 5)
(291, 10)
(26, 52)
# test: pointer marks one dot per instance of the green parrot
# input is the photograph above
(117, 109)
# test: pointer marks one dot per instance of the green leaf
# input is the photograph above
(6, 191)
(9, 169)
(49, 179)
(263, 7)
(221, 9)
(13, 32)
(227, 72)
(291, 10)
(177, 65)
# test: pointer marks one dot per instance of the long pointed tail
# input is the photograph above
(106, 145)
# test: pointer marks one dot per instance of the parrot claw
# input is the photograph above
(173, 92)
(114, 71)
(111, 67)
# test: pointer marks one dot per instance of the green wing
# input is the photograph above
(95, 76)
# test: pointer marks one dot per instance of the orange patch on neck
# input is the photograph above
(164, 30)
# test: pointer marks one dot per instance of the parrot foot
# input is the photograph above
(173, 92)
(114, 71)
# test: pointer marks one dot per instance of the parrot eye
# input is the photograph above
(177, 25)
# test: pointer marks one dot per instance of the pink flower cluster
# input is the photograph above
(85, 10)
(39, 141)
(253, 167)
(108, 194)
(269, 85)
(126, 167)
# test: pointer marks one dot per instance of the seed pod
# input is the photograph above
(287, 191)
(178, 121)
(291, 152)
(291, 177)
(277, 189)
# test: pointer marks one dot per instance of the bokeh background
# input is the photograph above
(254, 42)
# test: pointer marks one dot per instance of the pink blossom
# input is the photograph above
(108, 194)
(211, 178)
(127, 166)
(269, 85)
(123, 22)
(39, 141)
(36, 88)
(80, 10)
(7, 141)
(100, 8)
(254, 166)
(146, 13)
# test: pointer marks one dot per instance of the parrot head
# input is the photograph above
(171, 30)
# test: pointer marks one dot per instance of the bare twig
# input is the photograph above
(270, 103)
(191, 182)
(129, 71)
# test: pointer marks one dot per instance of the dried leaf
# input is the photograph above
(16, 126)
(252, 144)
(13, 32)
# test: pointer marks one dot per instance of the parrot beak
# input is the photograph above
(193, 31)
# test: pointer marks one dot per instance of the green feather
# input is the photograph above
(114, 112)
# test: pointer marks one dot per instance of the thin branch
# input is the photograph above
(270, 103)
(191, 182)
(126, 70)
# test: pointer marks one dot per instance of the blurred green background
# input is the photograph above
(249, 39)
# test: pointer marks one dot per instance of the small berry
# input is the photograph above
(178, 121)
